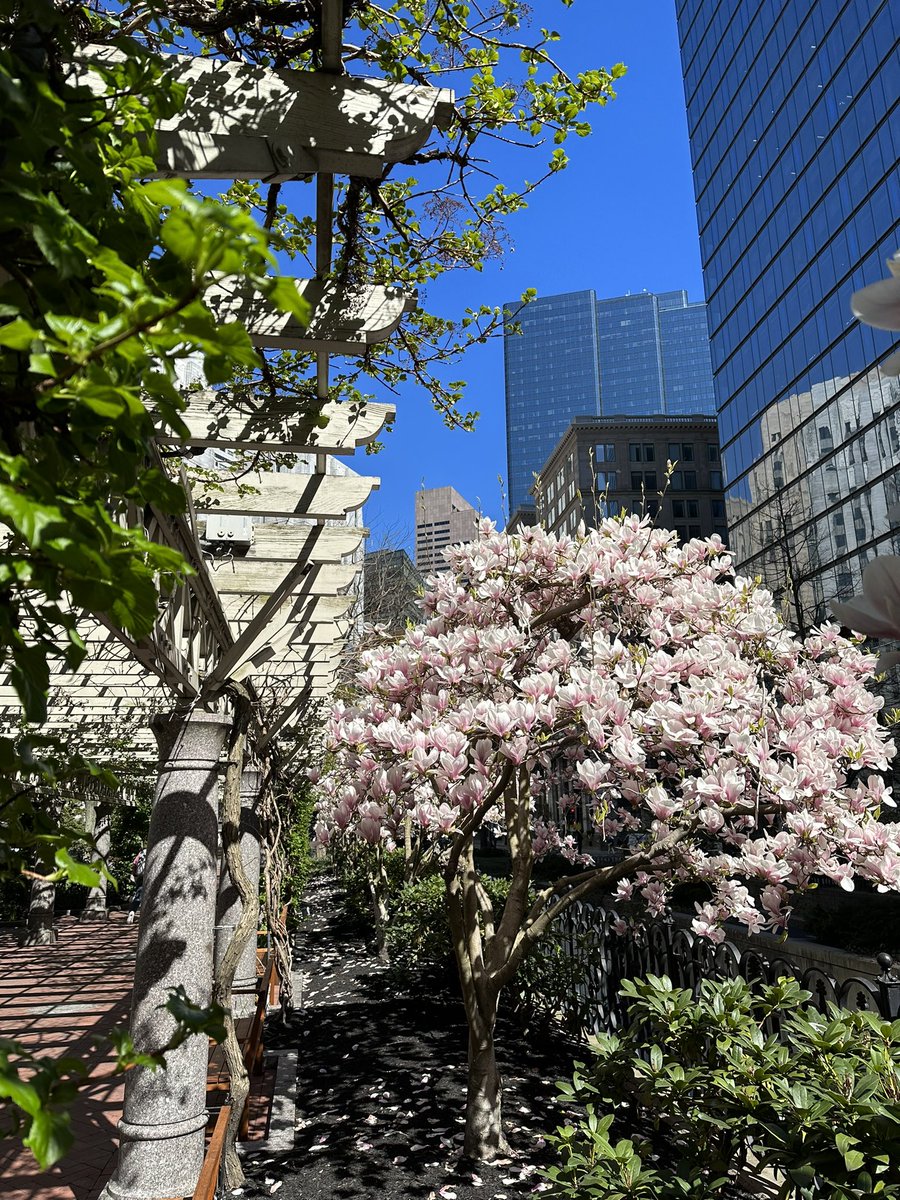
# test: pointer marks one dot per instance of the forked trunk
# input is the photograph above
(484, 1138)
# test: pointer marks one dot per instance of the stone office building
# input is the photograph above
(602, 465)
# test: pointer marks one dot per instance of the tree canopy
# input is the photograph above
(641, 678)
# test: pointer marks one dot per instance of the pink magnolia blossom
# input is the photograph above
(876, 613)
(645, 681)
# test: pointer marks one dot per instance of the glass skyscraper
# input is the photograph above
(577, 356)
(795, 140)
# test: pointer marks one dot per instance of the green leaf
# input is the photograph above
(74, 871)
(49, 1136)
(18, 334)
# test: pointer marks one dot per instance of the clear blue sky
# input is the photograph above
(620, 218)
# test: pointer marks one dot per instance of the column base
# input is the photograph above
(157, 1162)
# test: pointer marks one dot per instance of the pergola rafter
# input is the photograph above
(262, 623)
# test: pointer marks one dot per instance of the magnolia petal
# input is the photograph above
(878, 304)
(861, 616)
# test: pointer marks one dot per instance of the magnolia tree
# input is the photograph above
(646, 679)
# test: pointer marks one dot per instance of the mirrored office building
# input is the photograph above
(576, 355)
(795, 141)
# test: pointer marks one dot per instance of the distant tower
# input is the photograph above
(443, 518)
(577, 356)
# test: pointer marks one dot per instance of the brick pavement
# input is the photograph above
(54, 998)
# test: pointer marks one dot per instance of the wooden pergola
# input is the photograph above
(272, 619)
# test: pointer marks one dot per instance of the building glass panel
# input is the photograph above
(795, 141)
(575, 355)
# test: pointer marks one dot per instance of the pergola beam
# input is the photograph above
(335, 428)
(320, 497)
(243, 121)
(342, 319)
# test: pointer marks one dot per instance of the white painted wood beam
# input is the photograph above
(279, 427)
(319, 497)
(242, 121)
(246, 576)
(343, 319)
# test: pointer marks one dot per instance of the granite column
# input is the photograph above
(162, 1130)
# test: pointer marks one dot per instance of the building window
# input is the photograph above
(605, 452)
(641, 452)
(681, 451)
(684, 481)
(607, 479)
(643, 479)
(718, 510)
(715, 480)
(712, 450)
(678, 509)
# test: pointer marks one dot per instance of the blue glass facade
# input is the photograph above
(551, 376)
(795, 140)
(640, 355)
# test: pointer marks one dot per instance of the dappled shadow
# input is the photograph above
(381, 1084)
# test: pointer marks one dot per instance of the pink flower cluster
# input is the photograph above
(644, 678)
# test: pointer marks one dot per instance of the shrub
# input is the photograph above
(692, 1086)
(418, 942)
(298, 853)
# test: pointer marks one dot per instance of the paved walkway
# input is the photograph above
(381, 1081)
(55, 999)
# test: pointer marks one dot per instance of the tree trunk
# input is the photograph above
(39, 929)
(232, 1170)
(484, 1138)
(380, 919)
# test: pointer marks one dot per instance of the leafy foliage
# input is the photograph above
(441, 210)
(102, 282)
(709, 1082)
(299, 860)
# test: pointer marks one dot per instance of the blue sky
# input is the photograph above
(620, 218)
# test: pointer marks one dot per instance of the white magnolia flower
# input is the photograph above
(876, 613)
(878, 305)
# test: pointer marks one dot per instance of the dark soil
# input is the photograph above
(381, 1083)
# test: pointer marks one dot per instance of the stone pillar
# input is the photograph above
(163, 1126)
(39, 930)
(228, 903)
(95, 905)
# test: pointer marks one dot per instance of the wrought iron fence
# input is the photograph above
(601, 958)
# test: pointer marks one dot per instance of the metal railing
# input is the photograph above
(601, 959)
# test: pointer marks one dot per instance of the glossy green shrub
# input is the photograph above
(700, 1088)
